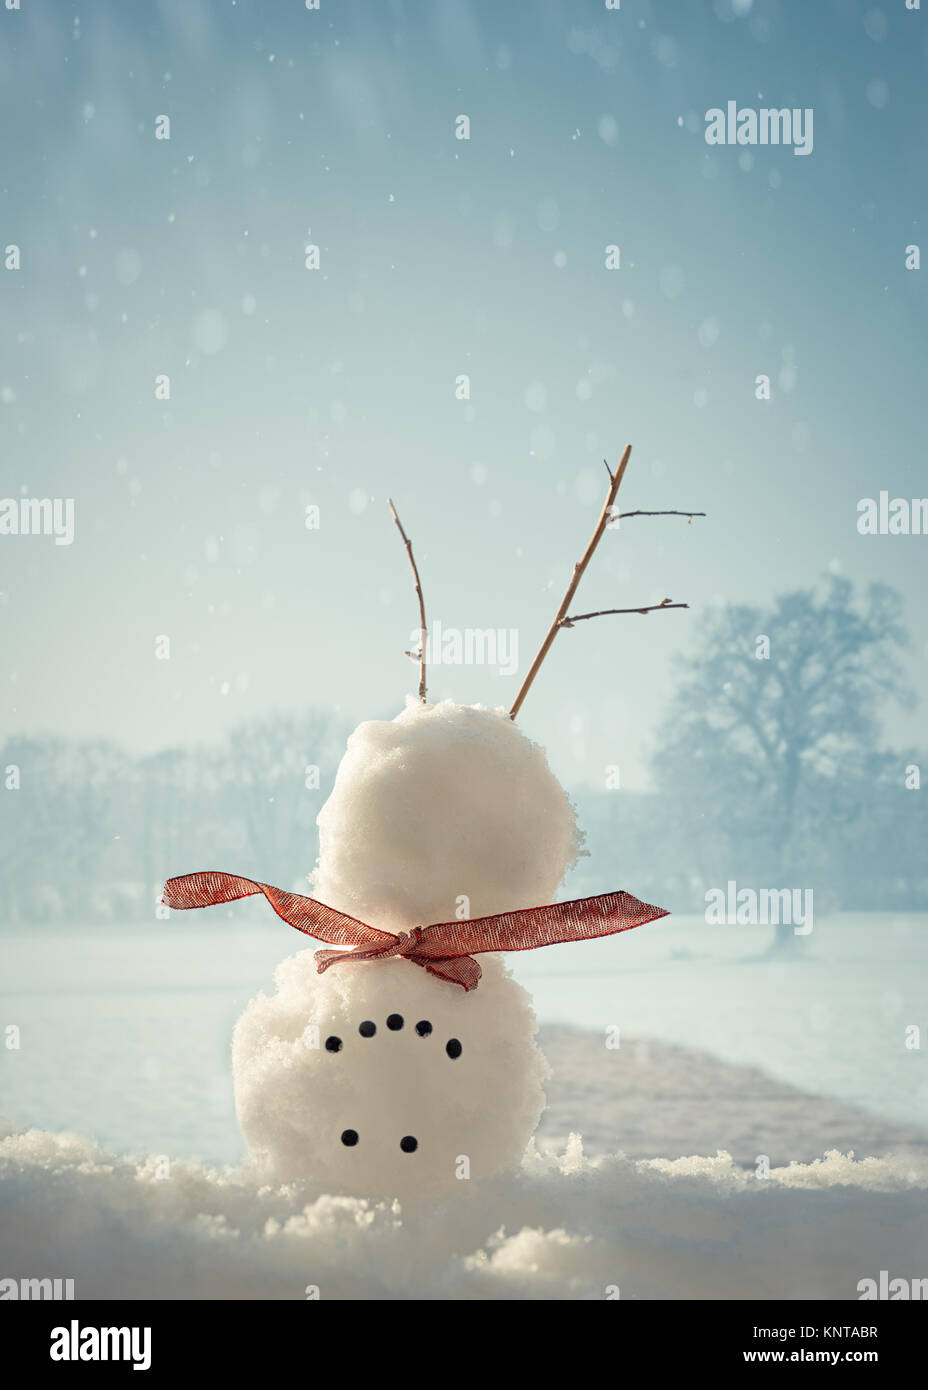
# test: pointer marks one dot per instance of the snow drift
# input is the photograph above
(564, 1228)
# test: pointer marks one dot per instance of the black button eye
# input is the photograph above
(367, 1029)
(409, 1144)
(424, 1028)
(349, 1137)
(395, 1022)
(453, 1048)
(333, 1044)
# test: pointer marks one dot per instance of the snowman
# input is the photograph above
(404, 1059)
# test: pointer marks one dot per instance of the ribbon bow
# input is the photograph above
(445, 949)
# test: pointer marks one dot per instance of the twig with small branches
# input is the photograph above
(607, 516)
(423, 628)
(615, 482)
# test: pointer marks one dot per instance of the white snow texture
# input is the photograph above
(443, 803)
(562, 1228)
(295, 1098)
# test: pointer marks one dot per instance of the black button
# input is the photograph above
(424, 1028)
(395, 1022)
(409, 1144)
(350, 1137)
(453, 1048)
(367, 1029)
(333, 1044)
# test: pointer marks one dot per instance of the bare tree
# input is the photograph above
(774, 699)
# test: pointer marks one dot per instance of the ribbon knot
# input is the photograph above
(399, 945)
(444, 949)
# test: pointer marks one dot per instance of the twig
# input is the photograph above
(620, 516)
(615, 482)
(423, 629)
(604, 612)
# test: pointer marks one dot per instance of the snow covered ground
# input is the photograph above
(564, 1228)
(125, 1038)
(125, 1034)
(673, 1100)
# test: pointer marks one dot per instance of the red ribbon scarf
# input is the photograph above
(445, 949)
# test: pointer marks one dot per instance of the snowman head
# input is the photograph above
(446, 811)
(376, 1077)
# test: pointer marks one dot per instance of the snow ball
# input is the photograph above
(446, 802)
(377, 1079)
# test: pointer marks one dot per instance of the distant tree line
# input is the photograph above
(768, 770)
(90, 833)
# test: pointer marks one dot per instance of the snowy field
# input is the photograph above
(125, 1040)
(125, 1034)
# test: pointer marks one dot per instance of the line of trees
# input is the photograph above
(89, 833)
(768, 770)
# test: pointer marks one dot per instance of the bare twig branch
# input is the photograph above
(423, 629)
(604, 612)
(615, 482)
(620, 516)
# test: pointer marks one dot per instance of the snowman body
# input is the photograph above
(377, 1078)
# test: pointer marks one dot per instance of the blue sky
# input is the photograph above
(440, 257)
